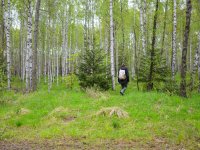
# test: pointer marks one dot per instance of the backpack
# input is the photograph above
(122, 74)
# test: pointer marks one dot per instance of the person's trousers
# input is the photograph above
(124, 86)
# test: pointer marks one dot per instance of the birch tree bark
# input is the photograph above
(7, 20)
(57, 66)
(64, 44)
(199, 72)
(122, 28)
(195, 63)
(34, 73)
(112, 46)
(29, 50)
(142, 25)
(184, 51)
(45, 66)
(63, 49)
(174, 41)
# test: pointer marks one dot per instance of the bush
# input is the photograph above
(171, 87)
(70, 80)
(92, 69)
(160, 70)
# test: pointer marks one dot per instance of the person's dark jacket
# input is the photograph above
(127, 76)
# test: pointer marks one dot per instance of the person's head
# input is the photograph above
(123, 65)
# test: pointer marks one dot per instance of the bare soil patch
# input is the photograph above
(69, 143)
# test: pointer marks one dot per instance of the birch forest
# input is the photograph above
(47, 41)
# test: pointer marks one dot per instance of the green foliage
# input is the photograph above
(115, 124)
(160, 70)
(70, 80)
(92, 69)
(18, 123)
(162, 116)
(171, 87)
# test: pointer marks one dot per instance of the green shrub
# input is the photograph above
(71, 80)
(92, 69)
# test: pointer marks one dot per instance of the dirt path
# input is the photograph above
(72, 144)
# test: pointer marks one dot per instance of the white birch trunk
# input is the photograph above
(29, 51)
(45, 67)
(190, 58)
(24, 61)
(133, 55)
(199, 74)
(7, 22)
(174, 41)
(66, 46)
(27, 69)
(106, 49)
(117, 58)
(63, 47)
(39, 66)
(49, 71)
(142, 27)
(145, 24)
(112, 46)
(57, 66)
(198, 60)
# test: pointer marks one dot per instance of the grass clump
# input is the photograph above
(59, 112)
(23, 111)
(113, 111)
(18, 123)
(97, 94)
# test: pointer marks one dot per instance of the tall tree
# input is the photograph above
(112, 46)
(184, 51)
(152, 59)
(29, 52)
(173, 67)
(143, 24)
(7, 24)
(164, 27)
(122, 28)
(34, 73)
(195, 63)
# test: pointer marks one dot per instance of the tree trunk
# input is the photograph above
(199, 72)
(184, 51)
(29, 50)
(45, 66)
(112, 46)
(116, 55)
(195, 64)
(190, 56)
(2, 27)
(57, 66)
(164, 28)
(39, 66)
(174, 42)
(7, 22)
(122, 28)
(142, 25)
(152, 61)
(34, 73)
(65, 42)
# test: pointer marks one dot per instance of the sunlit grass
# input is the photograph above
(151, 115)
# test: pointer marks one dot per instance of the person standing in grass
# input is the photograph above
(123, 78)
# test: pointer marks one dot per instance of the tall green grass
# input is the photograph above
(151, 115)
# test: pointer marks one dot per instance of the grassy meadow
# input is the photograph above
(74, 113)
